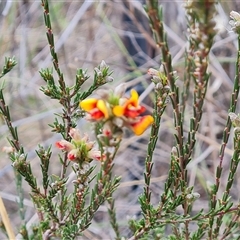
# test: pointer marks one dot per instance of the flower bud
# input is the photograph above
(103, 65)
(98, 72)
(152, 72)
(174, 151)
(108, 79)
(235, 23)
(75, 134)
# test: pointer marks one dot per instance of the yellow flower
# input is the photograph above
(112, 107)
(130, 108)
(97, 109)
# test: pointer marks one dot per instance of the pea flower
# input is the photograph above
(79, 149)
(121, 111)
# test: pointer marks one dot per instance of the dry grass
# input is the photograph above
(87, 32)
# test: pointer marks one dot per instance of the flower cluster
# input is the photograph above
(121, 111)
(80, 149)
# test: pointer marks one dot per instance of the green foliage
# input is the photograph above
(8, 66)
(66, 213)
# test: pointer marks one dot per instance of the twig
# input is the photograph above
(6, 220)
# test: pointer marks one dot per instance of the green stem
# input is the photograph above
(113, 218)
(145, 200)
(155, 15)
(65, 100)
(226, 134)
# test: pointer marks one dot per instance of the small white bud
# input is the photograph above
(103, 65)
(109, 79)
(98, 72)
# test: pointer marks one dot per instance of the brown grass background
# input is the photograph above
(87, 32)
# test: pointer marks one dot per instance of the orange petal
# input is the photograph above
(103, 108)
(139, 127)
(88, 104)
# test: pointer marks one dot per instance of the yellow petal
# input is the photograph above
(88, 104)
(134, 97)
(118, 111)
(103, 108)
(139, 127)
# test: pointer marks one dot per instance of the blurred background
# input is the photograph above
(87, 32)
